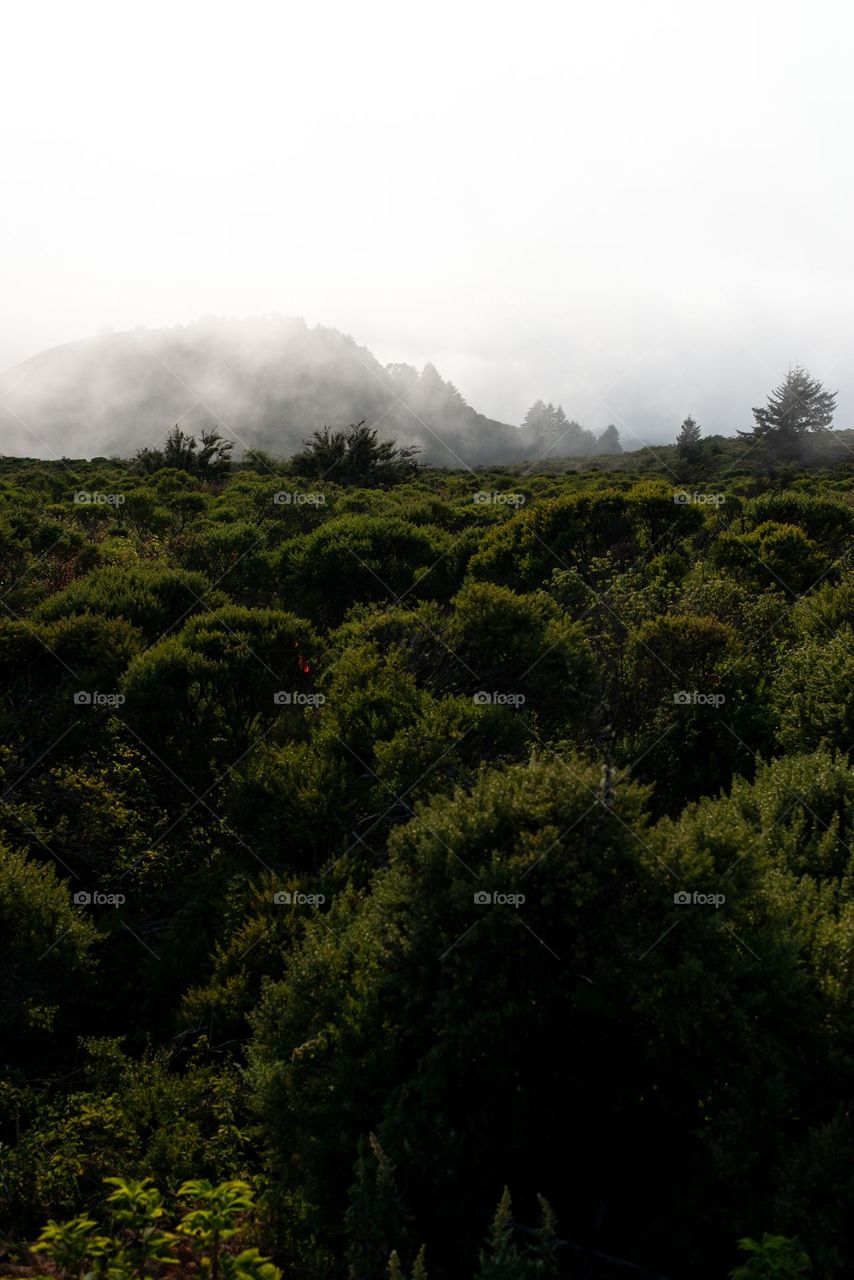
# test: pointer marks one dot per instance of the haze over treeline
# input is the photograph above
(269, 382)
(264, 383)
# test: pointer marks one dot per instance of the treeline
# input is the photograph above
(388, 842)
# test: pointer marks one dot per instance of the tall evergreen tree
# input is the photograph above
(559, 421)
(688, 440)
(798, 407)
(501, 1260)
(551, 433)
(609, 441)
(537, 416)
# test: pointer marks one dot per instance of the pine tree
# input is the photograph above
(799, 407)
(542, 1256)
(395, 1271)
(609, 441)
(688, 440)
(419, 1266)
(559, 420)
(537, 417)
(501, 1259)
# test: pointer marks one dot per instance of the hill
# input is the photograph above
(266, 383)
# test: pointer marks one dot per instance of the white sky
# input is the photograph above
(642, 200)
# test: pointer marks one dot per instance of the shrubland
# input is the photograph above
(385, 844)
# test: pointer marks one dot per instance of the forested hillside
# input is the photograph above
(386, 841)
(266, 382)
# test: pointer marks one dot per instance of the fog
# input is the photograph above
(264, 382)
(638, 211)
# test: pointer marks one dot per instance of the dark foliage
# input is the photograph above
(389, 837)
(355, 457)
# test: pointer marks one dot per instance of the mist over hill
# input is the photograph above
(265, 383)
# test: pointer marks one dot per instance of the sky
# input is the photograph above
(639, 210)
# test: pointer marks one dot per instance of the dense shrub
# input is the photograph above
(311, 734)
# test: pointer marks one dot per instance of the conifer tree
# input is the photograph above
(688, 440)
(798, 407)
(609, 441)
(501, 1260)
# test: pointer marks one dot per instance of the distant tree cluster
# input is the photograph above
(547, 419)
(547, 431)
(797, 414)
